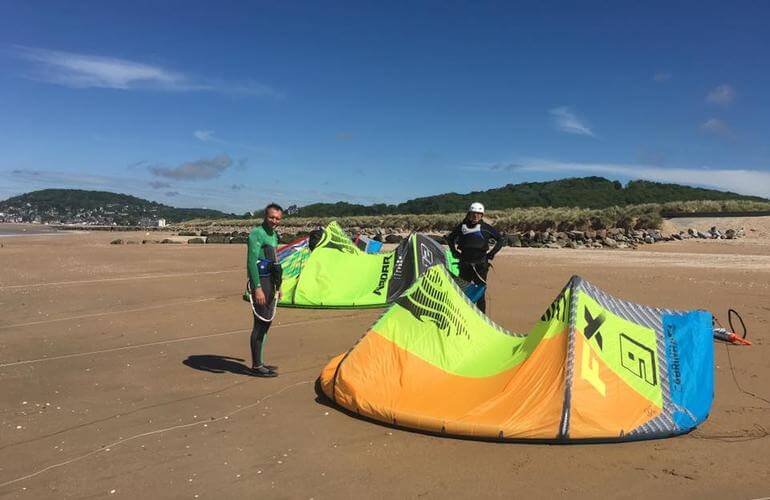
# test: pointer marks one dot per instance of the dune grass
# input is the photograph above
(646, 216)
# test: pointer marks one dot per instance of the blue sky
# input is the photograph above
(227, 105)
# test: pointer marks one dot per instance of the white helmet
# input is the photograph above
(476, 207)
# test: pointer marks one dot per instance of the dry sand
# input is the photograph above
(121, 374)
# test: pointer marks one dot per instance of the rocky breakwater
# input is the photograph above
(591, 238)
(611, 238)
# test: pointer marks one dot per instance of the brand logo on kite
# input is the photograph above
(589, 364)
(593, 325)
(672, 350)
(558, 309)
(398, 267)
(638, 359)
(426, 255)
(383, 275)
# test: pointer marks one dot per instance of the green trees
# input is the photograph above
(582, 192)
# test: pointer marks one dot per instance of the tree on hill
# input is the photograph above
(121, 208)
(582, 192)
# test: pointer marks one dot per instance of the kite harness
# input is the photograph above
(729, 336)
(270, 276)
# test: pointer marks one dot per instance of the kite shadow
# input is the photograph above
(215, 363)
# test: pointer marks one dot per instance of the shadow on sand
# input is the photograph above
(215, 363)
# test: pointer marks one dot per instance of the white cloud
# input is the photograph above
(715, 126)
(566, 121)
(204, 135)
(90, 71)
(722, 95)
(743, 181)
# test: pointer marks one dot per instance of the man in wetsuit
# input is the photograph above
(469, 241)
(261, 265)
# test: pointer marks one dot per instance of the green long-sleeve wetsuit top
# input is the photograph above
(258, 237)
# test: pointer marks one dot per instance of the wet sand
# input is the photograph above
(122, 374)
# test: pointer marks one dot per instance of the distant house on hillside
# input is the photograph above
(161, 222)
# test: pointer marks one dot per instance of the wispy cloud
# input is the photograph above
(171, 194)
(209, 137)
(237, 187)
(715, 126)
(566, 121)
(159, 184)
(722, 95)
(661, 77)
(137, 164)
(93, 71)
(744, 181)
(195, 170)
(204, 135)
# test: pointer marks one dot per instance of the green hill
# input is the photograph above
(83, 206)
(583, 192)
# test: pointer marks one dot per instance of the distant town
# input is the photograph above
(111, 214)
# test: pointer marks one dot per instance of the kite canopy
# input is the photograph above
(336, 273)
(594, 367)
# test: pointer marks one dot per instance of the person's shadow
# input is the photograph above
(214, 363)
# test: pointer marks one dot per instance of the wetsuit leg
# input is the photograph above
(476, 273)
(260, 328)
(482, 269)
(258, 339)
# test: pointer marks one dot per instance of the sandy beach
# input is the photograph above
(122, 373)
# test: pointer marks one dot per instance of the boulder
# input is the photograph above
(187, 233)
(514, 240)
(239, 239)
(730, 234)
(394, 238)
(609, 242)
(196, 241)
(117, 242)
(218, 238)
(169, 241)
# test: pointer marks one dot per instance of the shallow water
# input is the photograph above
(25, 230)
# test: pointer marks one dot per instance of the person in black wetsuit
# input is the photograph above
(469, 241)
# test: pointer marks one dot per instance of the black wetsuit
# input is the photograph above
(470, 243)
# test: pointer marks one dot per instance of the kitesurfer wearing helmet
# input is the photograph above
(263, 286)
(469, 241)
